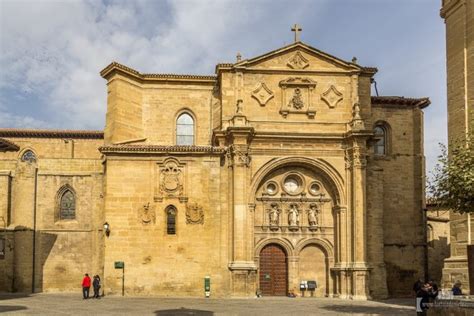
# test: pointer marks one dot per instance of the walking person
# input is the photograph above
(86, 285)
(96, 285)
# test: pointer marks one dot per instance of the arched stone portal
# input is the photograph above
(273, 271)
(294, 202)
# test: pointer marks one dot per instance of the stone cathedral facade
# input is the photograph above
(279, 169)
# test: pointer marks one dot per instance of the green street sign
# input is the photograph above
(119, 264)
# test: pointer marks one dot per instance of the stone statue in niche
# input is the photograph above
(194, 214)
(293, 216)
(274, 216)
(297, 101)
(147, 214)
(313, 216)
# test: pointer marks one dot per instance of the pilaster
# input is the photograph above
(238, 138)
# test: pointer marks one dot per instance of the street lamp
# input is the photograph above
(107, 229)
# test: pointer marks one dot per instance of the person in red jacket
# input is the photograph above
(86, 284)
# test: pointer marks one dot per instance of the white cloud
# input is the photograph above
(54, 50)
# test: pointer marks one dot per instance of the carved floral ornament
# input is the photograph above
(238, 155)
(262, 94)
(332, 96)
(297, 61)
(194, 214)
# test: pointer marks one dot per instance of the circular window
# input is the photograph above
(314, 188)
(293, 184)
(271, 188)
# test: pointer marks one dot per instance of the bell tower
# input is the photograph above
(459, 19)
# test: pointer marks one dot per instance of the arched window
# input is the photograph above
(67, 205)
(380, 147)
(28, 156)
(171, 220)
(185, 130)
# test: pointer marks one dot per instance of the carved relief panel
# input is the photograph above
(262, 94)
(297, 96)
(332, 96)
(146, 214)
(170, 180)
(294, 200)
(194, 214)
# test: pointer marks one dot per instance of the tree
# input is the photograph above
(452, 184)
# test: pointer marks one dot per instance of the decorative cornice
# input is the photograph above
(394, 100)
(160, 149)
(448, 6)
(6, 145)
(45, 133)
(248, 62)
(116, 67)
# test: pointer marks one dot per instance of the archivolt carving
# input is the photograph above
(194, 214)
(297, 61)
(262, 94)
(332, 96)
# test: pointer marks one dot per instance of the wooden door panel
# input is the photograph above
(273, 271)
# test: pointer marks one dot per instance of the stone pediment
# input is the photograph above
(300, 57)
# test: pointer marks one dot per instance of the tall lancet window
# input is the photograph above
(67, 205)
(185, 130)
(380, 148)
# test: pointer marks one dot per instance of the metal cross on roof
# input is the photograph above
(297, 29)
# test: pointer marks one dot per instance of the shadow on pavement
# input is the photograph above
(183, 311)
(369, 310)
(6, 309)
(11, 296)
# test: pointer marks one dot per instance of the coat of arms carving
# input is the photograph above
(146, 214)
(297, 96)
(194, 214)
(171, 179)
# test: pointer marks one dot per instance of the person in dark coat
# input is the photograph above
(423, 297)
(457, 288)
(96, 285)
(418, 285)
(86, 285)
(433, 289)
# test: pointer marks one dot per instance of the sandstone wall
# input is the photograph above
(64, 249)
(402, 188)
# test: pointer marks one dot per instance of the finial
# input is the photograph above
(239, 57)
(354, 60)
(297, 29)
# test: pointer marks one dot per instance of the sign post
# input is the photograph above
(121, 265)
(207, 286)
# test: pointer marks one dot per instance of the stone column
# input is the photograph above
(359, 266)
(242, 265)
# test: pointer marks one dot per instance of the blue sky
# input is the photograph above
(51, 52)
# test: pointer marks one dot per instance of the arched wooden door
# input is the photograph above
(273, 271)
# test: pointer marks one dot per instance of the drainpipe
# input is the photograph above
(34, 230)
(425, 243)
